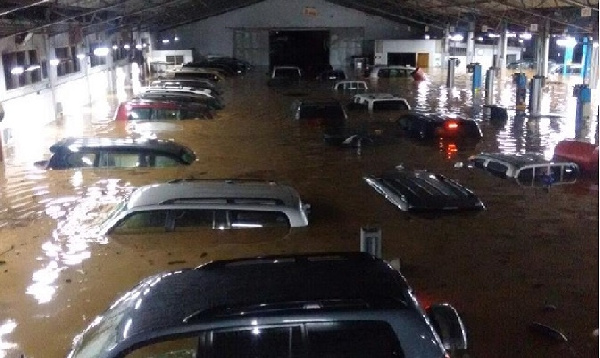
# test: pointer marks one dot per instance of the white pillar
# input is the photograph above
(470, 47)
(502, 48)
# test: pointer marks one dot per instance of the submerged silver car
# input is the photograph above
(421, 190)
(185, 205)
(309, 305)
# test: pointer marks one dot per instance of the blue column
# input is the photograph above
(476, 78)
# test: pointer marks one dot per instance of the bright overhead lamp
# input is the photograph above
(165, 41)
(525, 36)
(101, 51)
(568, 42)
(33, 68)
(456, 37)
(126, 46)
(54, 62)
(17, 70)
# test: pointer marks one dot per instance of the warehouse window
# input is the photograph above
(22, 68)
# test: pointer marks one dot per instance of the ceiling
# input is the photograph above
(20, 17)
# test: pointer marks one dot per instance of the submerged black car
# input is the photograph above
(424, 126)
(308, 305)
(116, 153)
(421, 190)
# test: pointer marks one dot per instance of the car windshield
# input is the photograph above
(287, 73)
(106, 221)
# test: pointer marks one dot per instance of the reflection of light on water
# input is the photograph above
(44, 280)
(6, 328)
(77, 179)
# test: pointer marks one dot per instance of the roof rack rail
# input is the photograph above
(226, 180)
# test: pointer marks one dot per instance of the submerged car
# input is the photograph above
(283, 76)
(374, 102)
(432, 126)
(71, 152)
(529, 169)
(308, 305)
(160, 110)
(325, 112)
(188, 205)
(421, 190)
(331, 75)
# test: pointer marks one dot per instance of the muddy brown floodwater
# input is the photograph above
(532, 256)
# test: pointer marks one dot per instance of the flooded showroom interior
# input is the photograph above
(519, 263)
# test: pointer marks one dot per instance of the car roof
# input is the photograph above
(239, 287)
(184, 191)
(516, 159)
(76, 143)
(377, 96)
(423, 190)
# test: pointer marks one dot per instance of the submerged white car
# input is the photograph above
(215, 204)
(529, 169)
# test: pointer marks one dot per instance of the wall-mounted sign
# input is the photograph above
(533, 27)
(309, 11)
(484, 28)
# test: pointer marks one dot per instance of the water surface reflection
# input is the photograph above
(59, 275)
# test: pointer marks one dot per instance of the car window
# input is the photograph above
(163, 161)
(244, 219)
(570, 173)
(81, 160)
(353, 339)
(140, 113)
(286, 73)
(142, 221)
(394, 72)
(121, 160)
(188, 219)
(271, 342)
(175, 348)
(389, 105)
(165, 114)
(497, 169)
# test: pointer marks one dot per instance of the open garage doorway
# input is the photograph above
(306, 49)
(402, 59)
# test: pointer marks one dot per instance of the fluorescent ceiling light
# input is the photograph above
(17, 70)
(101, 51)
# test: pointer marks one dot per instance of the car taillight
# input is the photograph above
(451, 125)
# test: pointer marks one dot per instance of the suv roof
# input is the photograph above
(234, 296)
(186, 191)
(74, 144)
(420, 190)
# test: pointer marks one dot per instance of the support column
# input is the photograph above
(502, 48)
(52, 78)
(541, 52)
(445, 47)
(470, 46)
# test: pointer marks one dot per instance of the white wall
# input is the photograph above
(215, 35)
(161, 55)
(432, 47)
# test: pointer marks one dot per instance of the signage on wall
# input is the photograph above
(533, 28)
(309, 11)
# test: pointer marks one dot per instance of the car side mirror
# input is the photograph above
(449, 326)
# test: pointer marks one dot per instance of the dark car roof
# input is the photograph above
(235, 287)
(165, 146)
(424, 190)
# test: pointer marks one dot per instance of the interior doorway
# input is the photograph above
(306, 49)
(422, 60)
